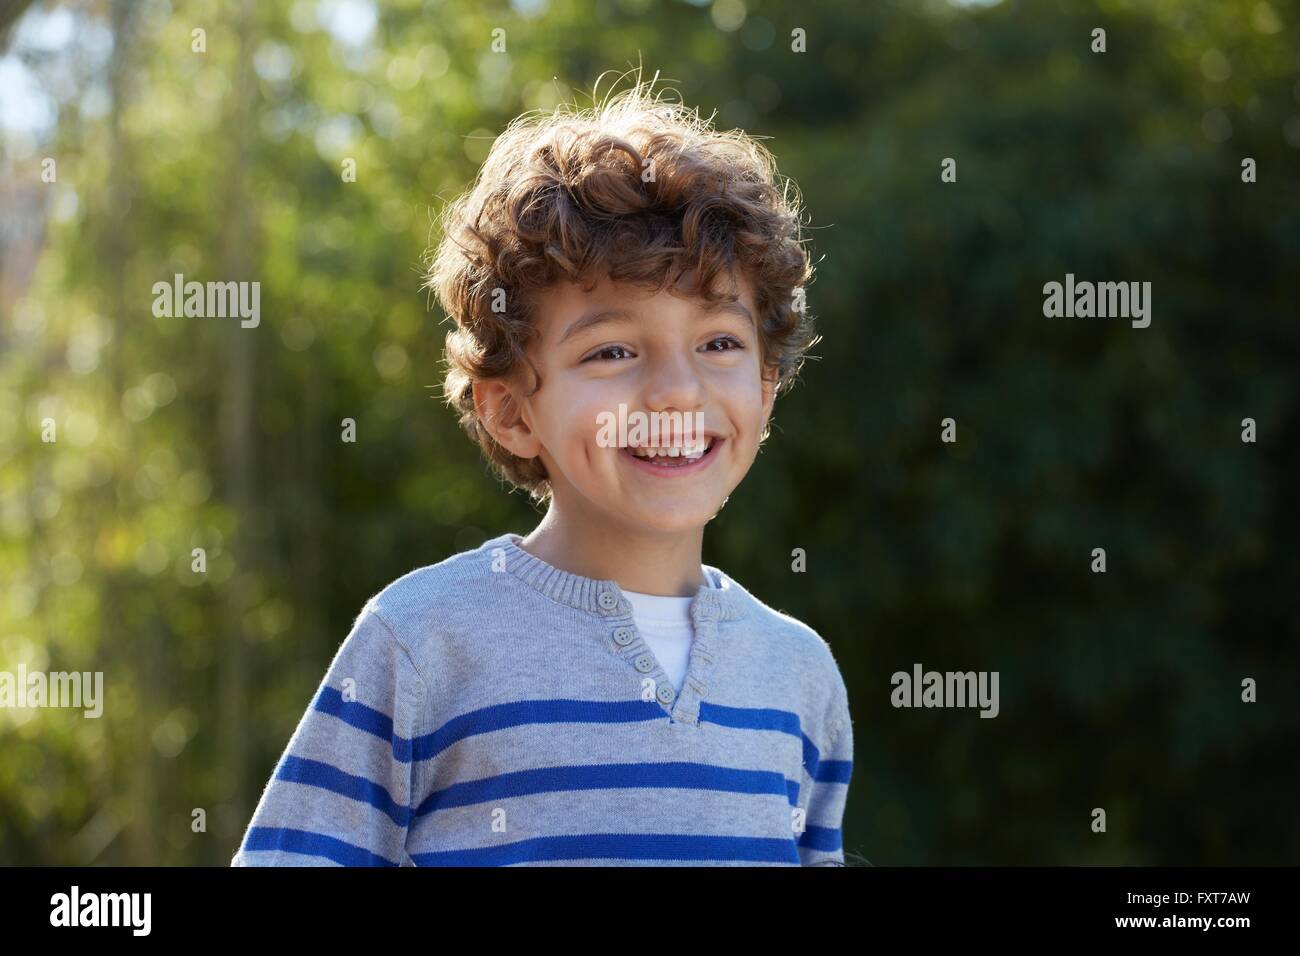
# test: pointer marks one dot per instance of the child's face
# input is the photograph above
(668, 353)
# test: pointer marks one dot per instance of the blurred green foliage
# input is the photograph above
(1119, 690)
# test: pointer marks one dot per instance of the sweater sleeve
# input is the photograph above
(821, 843)
(341, 793)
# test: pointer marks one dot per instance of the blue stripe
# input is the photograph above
(485, 720)
(825, 771)
(312, 844)
(619, 846)
(834, 771)
(376, 722)
(315, 773)
(518, 713)
(827, 839)
(765, 718)
(686, 776)
(750, 718)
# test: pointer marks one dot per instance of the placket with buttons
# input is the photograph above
(682, 708)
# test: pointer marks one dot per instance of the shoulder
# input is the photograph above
(803, 651)
(801, 640)
(440, 613)
(437, 596)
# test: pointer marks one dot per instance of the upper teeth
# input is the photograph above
(673, 451)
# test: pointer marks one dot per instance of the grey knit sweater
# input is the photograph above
(493, 710)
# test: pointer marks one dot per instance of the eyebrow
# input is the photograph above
(601, 316)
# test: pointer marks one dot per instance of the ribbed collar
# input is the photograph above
(722, 601)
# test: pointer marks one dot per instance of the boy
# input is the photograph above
(591, 694)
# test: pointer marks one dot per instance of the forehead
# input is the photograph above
(562, 304)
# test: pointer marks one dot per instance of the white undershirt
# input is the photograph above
(665, 623)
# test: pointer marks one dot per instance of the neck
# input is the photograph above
(651, 562)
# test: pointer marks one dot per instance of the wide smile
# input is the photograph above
(673, 466)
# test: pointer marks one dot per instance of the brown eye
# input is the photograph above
(734, 342)
(605, 351)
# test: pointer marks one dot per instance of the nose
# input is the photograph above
(673, 383)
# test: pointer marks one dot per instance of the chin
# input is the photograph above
(668, 523)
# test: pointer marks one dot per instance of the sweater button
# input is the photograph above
(644, 663)
(666, 694)
(608, 600)
(623, 636)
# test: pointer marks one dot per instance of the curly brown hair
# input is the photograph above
(638, 189)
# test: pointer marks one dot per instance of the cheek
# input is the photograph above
(745, 396)
(575, 420)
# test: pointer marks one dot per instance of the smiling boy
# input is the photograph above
(591, 694)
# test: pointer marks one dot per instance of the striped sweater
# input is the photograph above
(495, 710)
